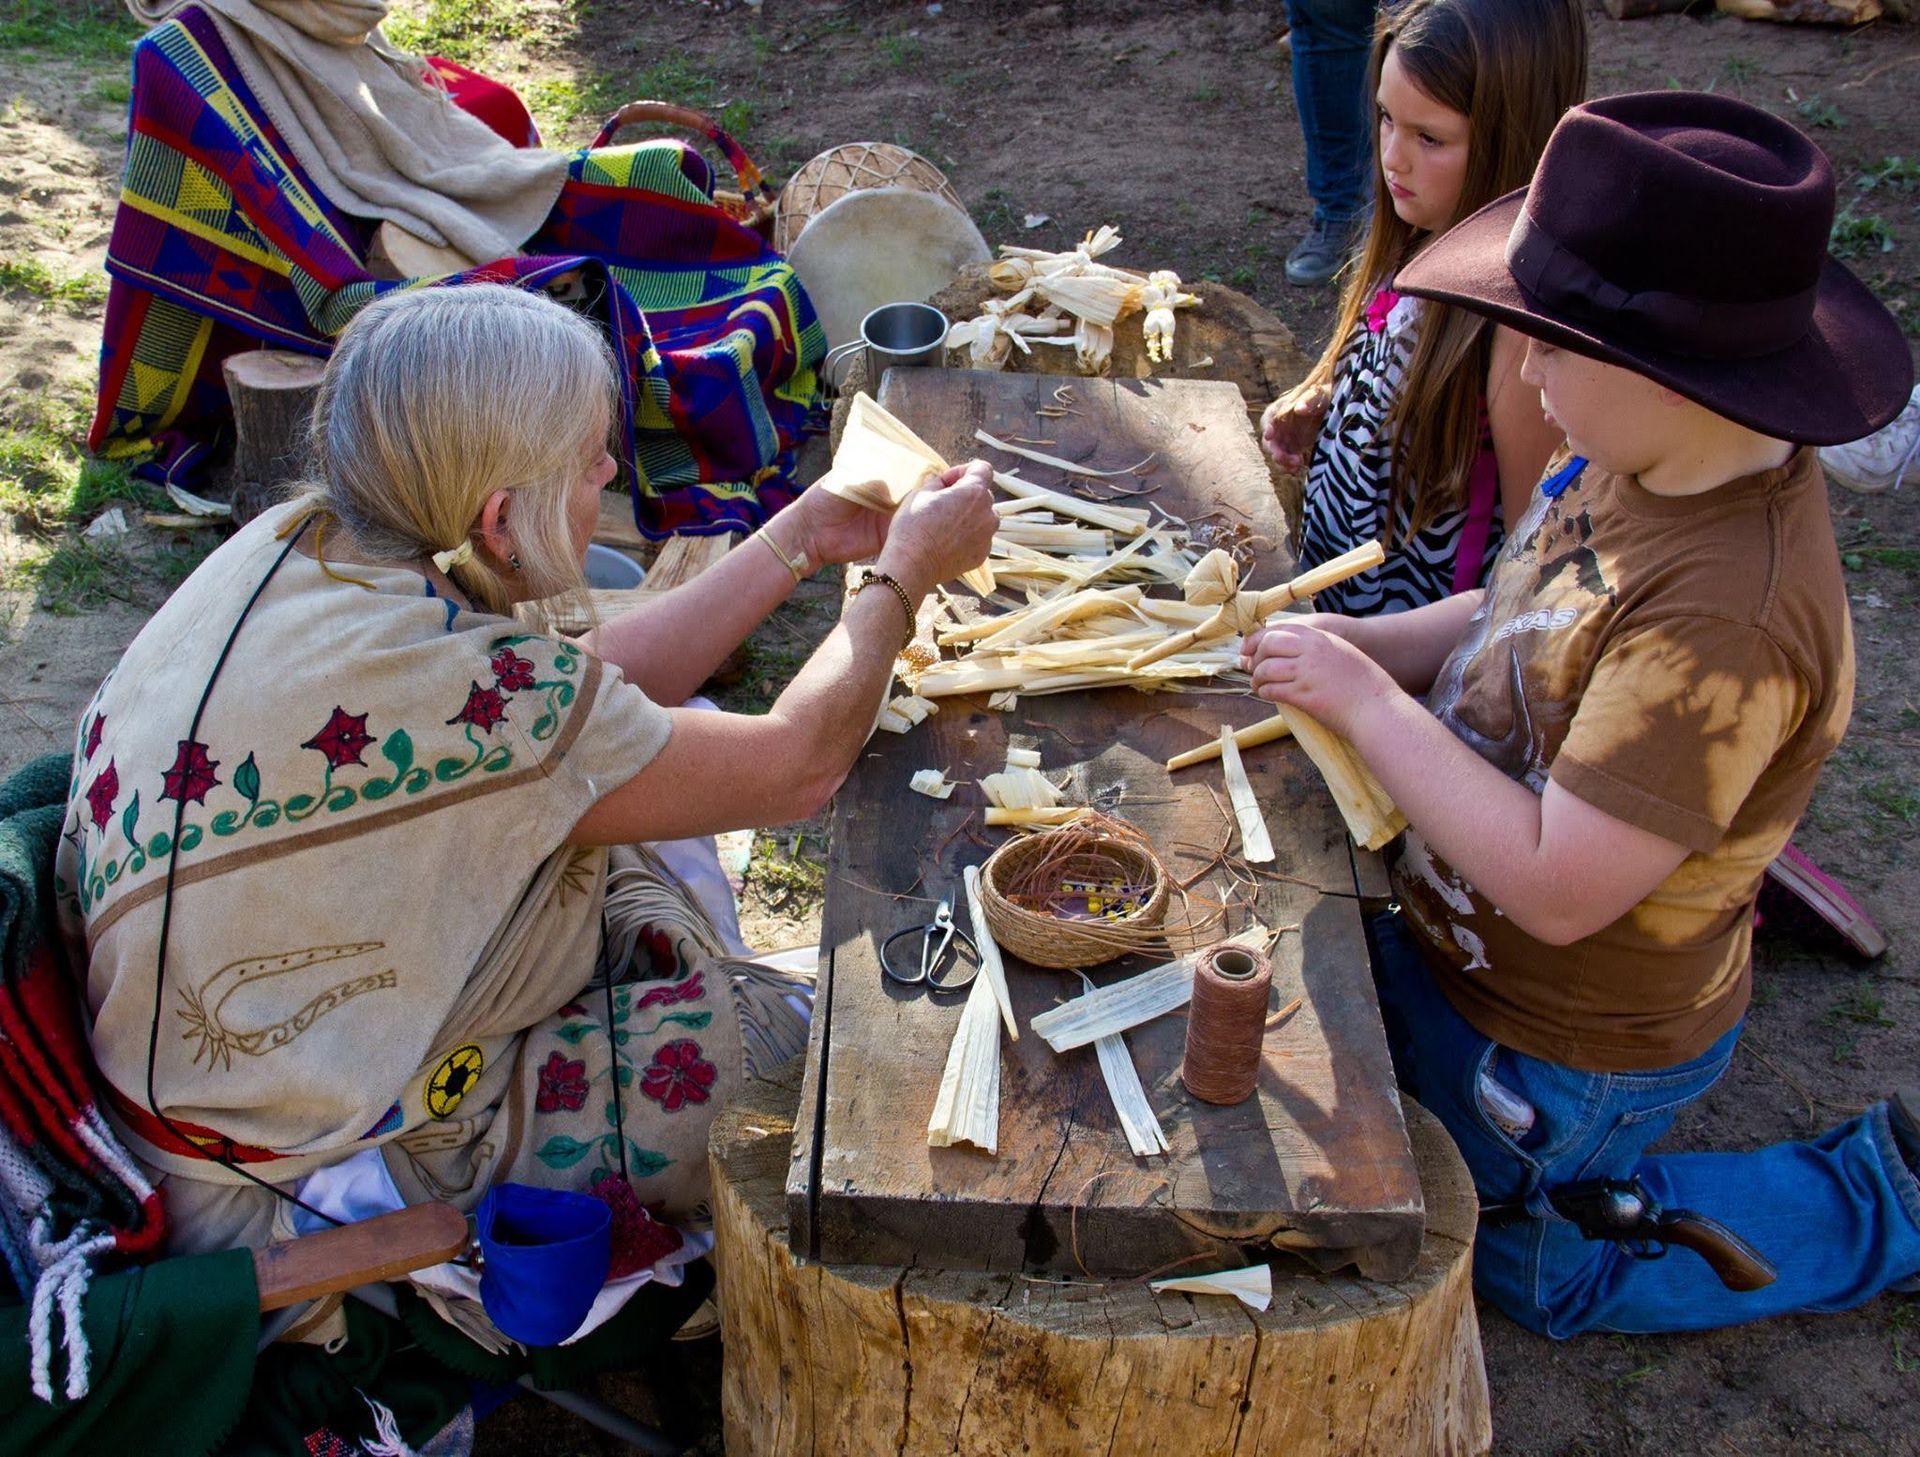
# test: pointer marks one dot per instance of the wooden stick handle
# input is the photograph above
(367, 1253)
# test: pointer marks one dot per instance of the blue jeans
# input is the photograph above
(1331, 42)
(1839, 1215)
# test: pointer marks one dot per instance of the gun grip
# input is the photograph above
(1738, 1264)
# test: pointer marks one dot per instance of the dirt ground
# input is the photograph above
(1175, 123)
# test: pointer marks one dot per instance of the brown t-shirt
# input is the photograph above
(1684, 664)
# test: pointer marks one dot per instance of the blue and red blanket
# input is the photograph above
(222, 243)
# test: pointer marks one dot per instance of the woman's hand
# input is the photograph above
(942, 530)
(833, 530)
(1290, 425)
(1316, 669)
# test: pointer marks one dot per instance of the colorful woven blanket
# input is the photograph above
(70, 1197)
(221, 243)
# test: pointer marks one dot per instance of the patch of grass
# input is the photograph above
(1862, 1005)
(1897, 174)
(72, 575)
(1905, 1324)
(102, 482)
(1894, 799)
(677, 79)
(1764, 994)
(1900, 558)
(899, 51)
(173, 561)
(1816, 111)
(1205, 93)
(85, 30)
(460, 30)
(113, 90)
(30, 275)
(1739, 70)
(558, 102)
(1243, 276)
(1855, 234)
(787, 877)
(996, 214)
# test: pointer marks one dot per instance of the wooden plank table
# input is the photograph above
(1318, 1161)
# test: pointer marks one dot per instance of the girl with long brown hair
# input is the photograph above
(1414, 428)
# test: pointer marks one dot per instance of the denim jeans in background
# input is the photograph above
(1331, 41)
(1839, 1215)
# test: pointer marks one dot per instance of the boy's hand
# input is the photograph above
(1331, 622)
(1315, 669)
(1291, 424)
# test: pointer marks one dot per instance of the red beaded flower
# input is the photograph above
(678, 1075)
(191, 775)
(563, 1084)
(511, 672)
(343, 739)
(101, 795)
(485, 707)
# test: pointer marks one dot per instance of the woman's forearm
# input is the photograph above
(704, 620)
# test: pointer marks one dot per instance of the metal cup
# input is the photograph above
(893, 334)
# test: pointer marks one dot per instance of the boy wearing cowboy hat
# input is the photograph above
(1621, 731)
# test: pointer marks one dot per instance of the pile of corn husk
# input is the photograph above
(1070, 603)
(1071, 299)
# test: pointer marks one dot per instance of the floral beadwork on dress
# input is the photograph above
(240, 797)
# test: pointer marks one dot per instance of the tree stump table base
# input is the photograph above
(869, 1359)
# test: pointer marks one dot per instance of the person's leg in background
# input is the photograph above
(1331, 41)
(1839, 1215)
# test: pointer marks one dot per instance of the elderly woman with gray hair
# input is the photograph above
(348, 841)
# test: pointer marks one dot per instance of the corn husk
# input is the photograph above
(1256, 846)
(1040, 817)
(931, 782)
(967, 1107)
(1252, 1286)
(1213, 580)
(1020, 788)
(906, 712)
(992, 969)
(1372, 818)
(1264, 732)
(881, 462)
(1125, 1004)
(1143, 1132)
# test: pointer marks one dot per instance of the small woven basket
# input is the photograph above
(1053, 941)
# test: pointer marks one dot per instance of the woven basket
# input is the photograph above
(1050, 941)
(852, 167)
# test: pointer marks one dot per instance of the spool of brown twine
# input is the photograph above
(1226, 1023)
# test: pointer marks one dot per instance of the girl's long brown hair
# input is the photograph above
(1511, 67)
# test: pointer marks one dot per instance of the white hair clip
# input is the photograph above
(459, 556)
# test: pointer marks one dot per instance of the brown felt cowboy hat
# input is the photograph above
(1684, 237)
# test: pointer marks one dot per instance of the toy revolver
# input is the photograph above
(1623, 1211)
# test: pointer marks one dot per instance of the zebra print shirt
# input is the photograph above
(1347, 482)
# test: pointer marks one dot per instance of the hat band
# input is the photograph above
(1670, 322)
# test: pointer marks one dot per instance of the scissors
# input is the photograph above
(937, 940)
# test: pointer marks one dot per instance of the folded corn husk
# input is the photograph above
(1256, 846)
(1371, 816)
(931, 782)
(1144, 1134)
(1252, 1286)
(881, 462)
(906, 712)
(967, 1107)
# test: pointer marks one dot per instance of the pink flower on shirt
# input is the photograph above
(1378, 309)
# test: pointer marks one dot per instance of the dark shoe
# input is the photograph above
(1324, 250)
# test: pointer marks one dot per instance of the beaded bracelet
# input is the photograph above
(899, 591)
